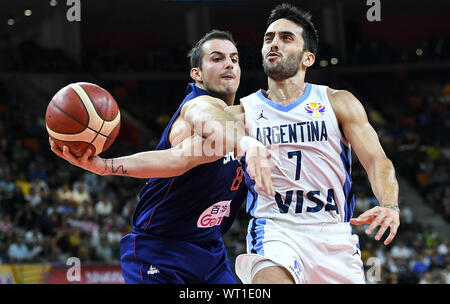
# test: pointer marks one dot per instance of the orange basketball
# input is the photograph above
(83, 115)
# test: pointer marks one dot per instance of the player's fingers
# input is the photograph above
(270, 187)
(365, 218)
(67, 155)
(86, 155)
(52, 143)
(55, 149)
(374, 224)
(382, 230)
(357, 221)
(392, 234)
(267, 181)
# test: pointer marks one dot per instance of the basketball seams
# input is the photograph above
(92, 107)
(74, 119)
(98, 114)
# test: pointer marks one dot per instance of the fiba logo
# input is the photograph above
(74, 12)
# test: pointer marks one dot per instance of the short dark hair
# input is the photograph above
(196, 53)
(301, 18)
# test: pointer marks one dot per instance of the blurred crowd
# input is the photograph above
(29, 56)
(50, 210)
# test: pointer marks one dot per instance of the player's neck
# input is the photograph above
(227, 98)
(288, 90)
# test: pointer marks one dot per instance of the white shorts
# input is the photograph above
(313, 254)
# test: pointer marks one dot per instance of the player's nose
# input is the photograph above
(229, 64)
(274, 46)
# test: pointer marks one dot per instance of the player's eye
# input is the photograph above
(234, 60)
(216, 59)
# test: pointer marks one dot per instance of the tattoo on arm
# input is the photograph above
(114, 170)
(105, 162)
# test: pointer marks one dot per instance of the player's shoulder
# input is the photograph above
(344, 103)
(342, 98)
(208, 99)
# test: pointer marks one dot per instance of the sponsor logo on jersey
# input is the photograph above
(152, 270)
(214, 215)
(261, 115)
(315, 109)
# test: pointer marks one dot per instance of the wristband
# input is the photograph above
(391, 206)
(247, 142)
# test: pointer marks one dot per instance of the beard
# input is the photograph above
(286, 68)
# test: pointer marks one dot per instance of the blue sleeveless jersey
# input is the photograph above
(197, 206)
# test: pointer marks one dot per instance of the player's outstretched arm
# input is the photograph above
(380, 170)
(158, 163)
(212, 119)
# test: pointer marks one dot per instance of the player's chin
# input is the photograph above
(230, 86)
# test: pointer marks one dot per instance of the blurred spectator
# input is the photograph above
(34, 197)
(419, 263)
(437, 261)
(18, 251)
(5, 223)
(23, 184)
(444, 247)
(401, 251)
(446, 274)
(33, 236)
(85, 209)
(104, 206)
(103, 249)
(431, 237)
(81, 195)
(65, 194)
(75, 240)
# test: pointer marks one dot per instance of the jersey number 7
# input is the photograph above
(297, 154)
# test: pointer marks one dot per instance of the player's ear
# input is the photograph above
(308, 59)
(196, 74)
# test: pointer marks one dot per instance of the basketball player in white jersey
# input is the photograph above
(303, 233)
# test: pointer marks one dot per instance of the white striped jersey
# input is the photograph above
(310, 159)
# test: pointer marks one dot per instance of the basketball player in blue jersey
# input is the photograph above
(302, 234)
(179, 221)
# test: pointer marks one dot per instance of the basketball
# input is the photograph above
(83, 115)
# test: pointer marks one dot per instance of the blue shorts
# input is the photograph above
(147, 259)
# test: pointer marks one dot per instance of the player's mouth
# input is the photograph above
(228, 76)
(273, 55)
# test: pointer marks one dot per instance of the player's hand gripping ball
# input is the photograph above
(83, 115)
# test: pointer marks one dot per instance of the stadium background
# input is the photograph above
(50, 211)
